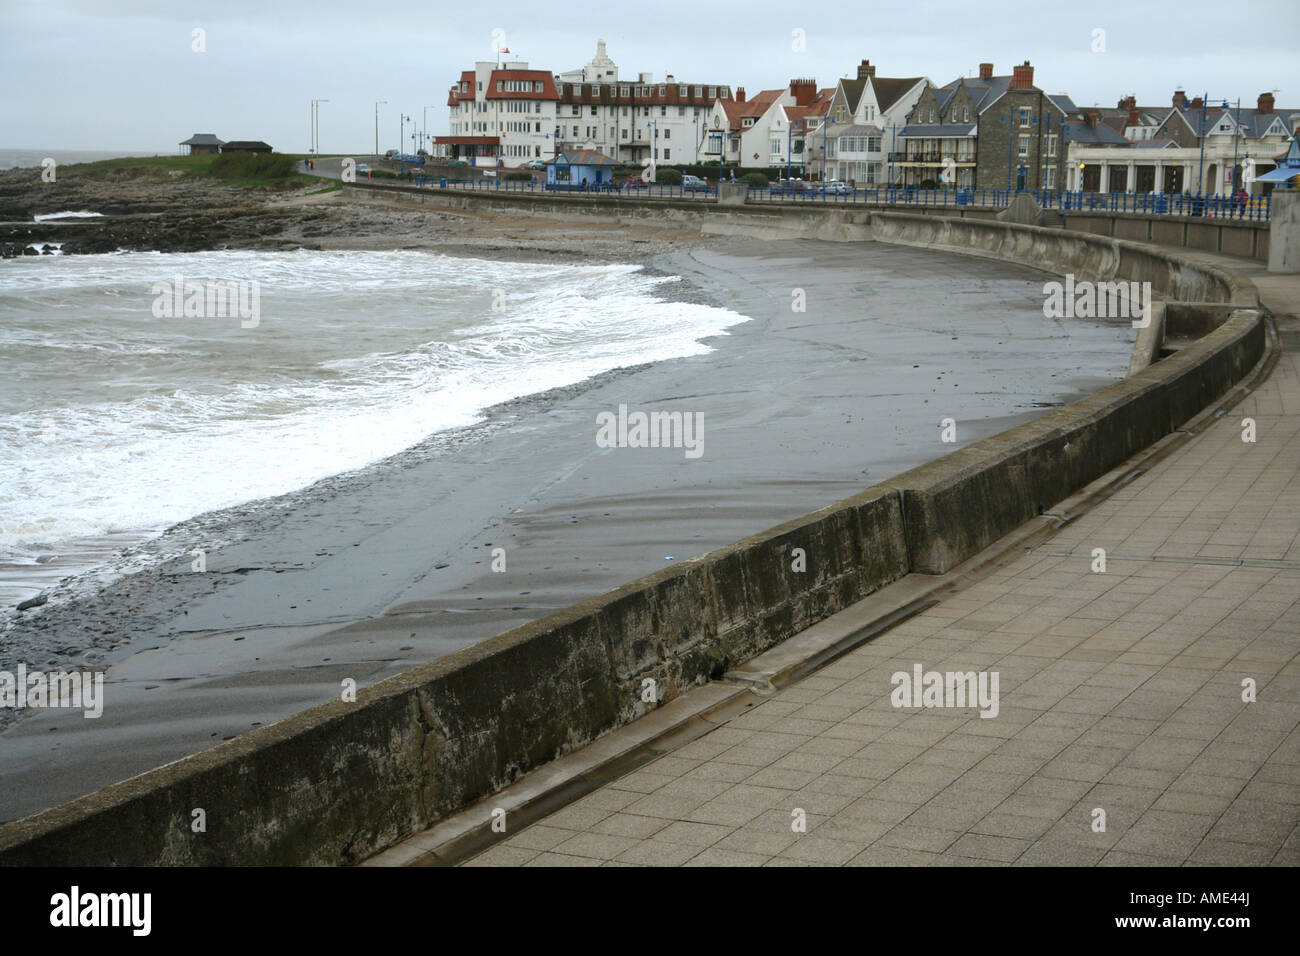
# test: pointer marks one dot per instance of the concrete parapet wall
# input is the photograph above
(342, 781)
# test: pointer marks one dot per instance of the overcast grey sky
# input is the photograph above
(81, 74)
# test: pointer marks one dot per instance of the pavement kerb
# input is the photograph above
(700, 710)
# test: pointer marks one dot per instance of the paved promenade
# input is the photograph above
(1120, 691)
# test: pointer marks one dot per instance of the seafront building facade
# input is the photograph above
(1191, 146)
(984, 131)
(501, 115)
(636, 121)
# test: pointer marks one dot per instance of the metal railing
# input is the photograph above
(1252, 209)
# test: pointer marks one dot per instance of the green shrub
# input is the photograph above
(254, 166)
(519, 177)
(668, 177)
(757, 180)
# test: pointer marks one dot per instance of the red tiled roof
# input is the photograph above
(547, 92)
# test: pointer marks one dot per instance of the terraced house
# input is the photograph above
(635, 121)
(984, 132)
(501, 115)
(865, 118)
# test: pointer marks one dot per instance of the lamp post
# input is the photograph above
(377, 104)
(315, 125)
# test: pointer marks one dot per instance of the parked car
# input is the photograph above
(458, 162)
(535, 164)
(834, 187)
(693, 182)
(793, 185)
(363, 168)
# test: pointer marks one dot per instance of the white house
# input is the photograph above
(866, 117)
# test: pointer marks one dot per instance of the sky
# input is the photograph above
(130, 74)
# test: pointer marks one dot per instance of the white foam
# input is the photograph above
(79, 214)
(212, 415)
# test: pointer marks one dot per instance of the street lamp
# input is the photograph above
(315, 125)
(377, 104)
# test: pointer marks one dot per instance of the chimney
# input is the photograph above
(1196, 104)
(1090, 116)
(1022, 77)
(865, 70)
(986, 71)
(740, 94)
(1265, 103)
(1180, 99)
(803, 90)
(1130, 103)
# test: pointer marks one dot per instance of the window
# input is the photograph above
(1051, 177)
(713, 92)
(624, 134)
(1051, 145)
(699, 91)
(668, 134)
(575, 132)
(662, 90)
(681, 90)
(499, 86)
(665, 155)
(681, 111)
(575, 109)
(663, 111)
(537, 150)
(625, 91)
(747, 121)
(593, 111)
(776, 146)
(537, 86)
(1024, 146)
(539, 128)
(873, 144)
(537, 107)
(1024, 115)
(625, 111)
(965, 114)
(931, 114)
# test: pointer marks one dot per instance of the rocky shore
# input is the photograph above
(148, 210)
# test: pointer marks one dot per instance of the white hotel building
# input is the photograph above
(637, 121)
(501, 115)
(506, 114)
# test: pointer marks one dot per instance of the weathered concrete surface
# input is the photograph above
(1023, 211)
(1146, 350)
(960, 504)
(1284, 232)
(342, 781)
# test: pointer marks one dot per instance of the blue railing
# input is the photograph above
(1253, 209)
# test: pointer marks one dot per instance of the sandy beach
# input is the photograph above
(367, 573)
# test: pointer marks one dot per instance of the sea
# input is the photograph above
(123, 412)
(14, 158)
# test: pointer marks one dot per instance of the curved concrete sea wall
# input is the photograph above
(342, 781)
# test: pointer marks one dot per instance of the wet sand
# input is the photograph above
(365, 574)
